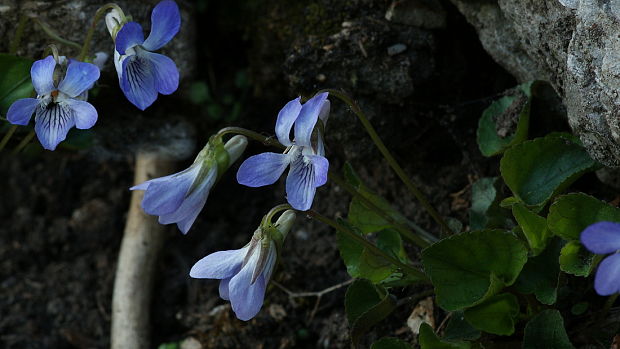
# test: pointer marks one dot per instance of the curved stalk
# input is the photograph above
(389, 158)
(7, 136)
(91, 31)
(367, 244)
(23, 143)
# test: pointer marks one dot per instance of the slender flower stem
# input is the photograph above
(274, 211)
(7, 136)
(91, 31)
(608, 304)
(389, 158)
(19, 33)
(24, 142)
(367, 244)
(422, 238)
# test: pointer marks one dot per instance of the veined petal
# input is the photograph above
(286, 119)
(262, 169)
(80, 76)
(602, 237)
(85, 115)
(194, 201)
(165, 24)
(52, 123)
(300, 183)
(219, 265)
(607, 279)
(165, 71)
(130, 35)
(246, 298)
(321, 167)
(21, 111)
(138, 81)
(223, 289)
(307, 119)
(166, 194)
(42, 74)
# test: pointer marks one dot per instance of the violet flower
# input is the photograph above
(59, 105)
(604, 238)
(179, 198)
(245, 272)
(307, 161)
(143, 74)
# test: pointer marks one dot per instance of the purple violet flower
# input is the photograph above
(59, 105)
(245, 273)
(179, 198)
(143, 74)
(308, 164)
(604, 238)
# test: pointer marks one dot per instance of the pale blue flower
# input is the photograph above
(142, 73)
(307, 161)
(604, 238)
(59, 105)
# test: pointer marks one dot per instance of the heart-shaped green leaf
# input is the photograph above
(496, 315)
(570, 214)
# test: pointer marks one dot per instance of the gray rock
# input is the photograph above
(572, 44)
(396, 49)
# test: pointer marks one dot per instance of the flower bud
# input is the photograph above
(285, 222)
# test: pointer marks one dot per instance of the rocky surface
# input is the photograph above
(574, 45)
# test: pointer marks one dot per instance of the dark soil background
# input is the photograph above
(63, 213)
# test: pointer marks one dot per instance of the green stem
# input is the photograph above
(423, 241)
(608, 304)
(52, 33)
(367, 244)
(91, 31)
(389, 158)
(7, 136)
(24, 142)
(269, 216)
(422, 238)
(19, 33)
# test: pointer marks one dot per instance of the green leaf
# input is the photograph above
(485, 211)
(494, 133)
(390, 343)
(459, 329)
(537, 170)
(15, 82)
(546, 331)
(571, 214)
(533, 226)
(575, 259)
(496, 315)
(366, 304)
(469, 267)
(428, 340)
(540, 274)
(362, 263)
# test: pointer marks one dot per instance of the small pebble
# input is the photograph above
(396, 49)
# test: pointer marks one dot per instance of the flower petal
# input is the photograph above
(193, 203)
(80, 77)
(246, 298)
(607, 280)
(219, 265)
(165, 71)
(224, 289)
(324, 114)
(130, 35)
(321, 167)
(286, 119)
(300, 184)
(307, 119)
(262, 169)
(85, 115)
(21, 111)
(52, 123)
(42, 74)
(166, 194)
(271, 261)
(138, 81)
(601, 237)
(165, 24)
